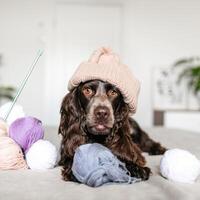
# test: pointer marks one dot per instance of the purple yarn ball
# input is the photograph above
(25, 131)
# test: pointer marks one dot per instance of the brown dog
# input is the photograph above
(95, 111)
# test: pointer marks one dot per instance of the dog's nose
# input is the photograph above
(101, 112)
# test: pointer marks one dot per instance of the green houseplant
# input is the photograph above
(189, 71)
(7, 92)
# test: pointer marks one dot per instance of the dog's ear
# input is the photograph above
(121, 115)
(70, 112)
(122, 111)
(70, 128)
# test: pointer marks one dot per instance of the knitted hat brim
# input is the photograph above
(124, 80)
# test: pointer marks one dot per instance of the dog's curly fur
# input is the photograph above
(127, 140)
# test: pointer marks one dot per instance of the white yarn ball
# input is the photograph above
(180, 165)
(17, 112)
(42, 155)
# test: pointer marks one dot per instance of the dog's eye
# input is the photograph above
(88, 92)
(112, 93)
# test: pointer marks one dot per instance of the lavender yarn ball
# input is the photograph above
(26, 131)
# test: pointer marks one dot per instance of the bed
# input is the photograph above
(33, 185)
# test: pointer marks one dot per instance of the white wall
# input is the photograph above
(75, 39)
(155, 32)
(23, 27)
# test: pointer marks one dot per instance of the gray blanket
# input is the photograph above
(33, 185)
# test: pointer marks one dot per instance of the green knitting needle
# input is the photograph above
(40, 52)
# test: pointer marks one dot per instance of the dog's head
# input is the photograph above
(98, 107)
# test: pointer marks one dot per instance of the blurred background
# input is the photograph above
(159, 40)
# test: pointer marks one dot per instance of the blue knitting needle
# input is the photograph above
(40, 52)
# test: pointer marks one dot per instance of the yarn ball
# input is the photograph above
(11, 156)
(16, 112)
(3, 128)
(42, 155)
(95, 165)
(25, 131)
(180, 165)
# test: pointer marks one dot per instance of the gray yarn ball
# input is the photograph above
(95, 165)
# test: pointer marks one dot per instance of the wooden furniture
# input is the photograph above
(181, 119)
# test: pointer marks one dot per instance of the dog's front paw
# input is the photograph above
(138, 171)
(145, 173)
(157, 149)
(142, 172)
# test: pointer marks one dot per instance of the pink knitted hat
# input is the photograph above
(106, 66)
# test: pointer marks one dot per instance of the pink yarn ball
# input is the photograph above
(3, 128)
(11, 156)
